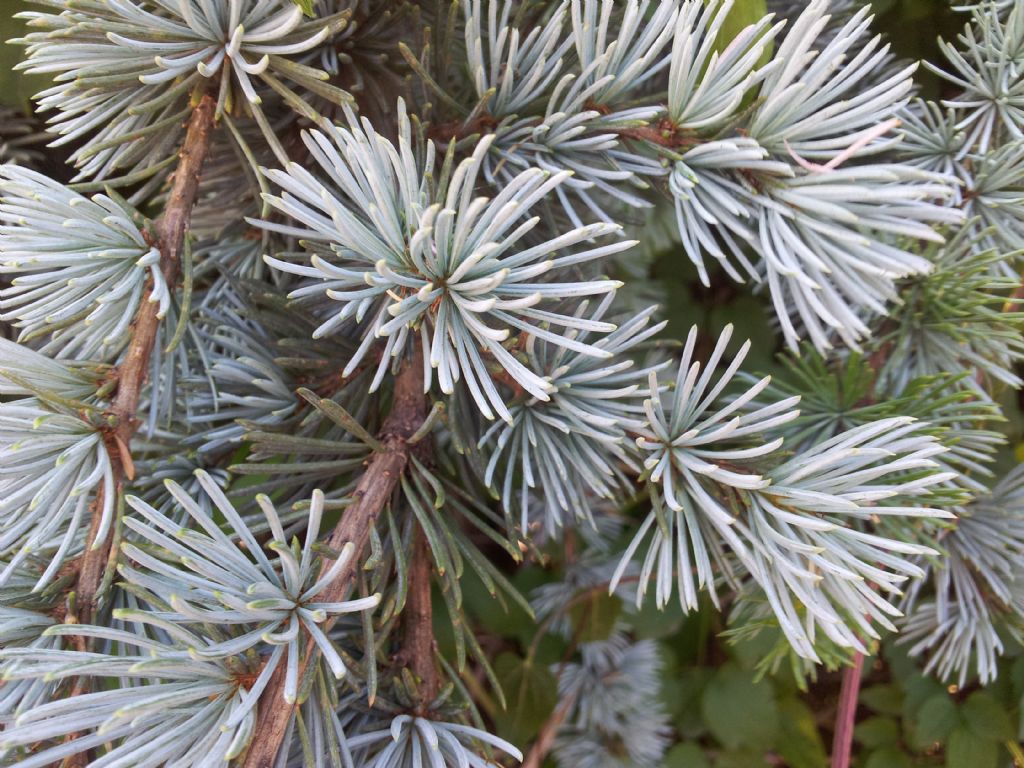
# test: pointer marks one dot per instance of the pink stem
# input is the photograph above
(842, 741)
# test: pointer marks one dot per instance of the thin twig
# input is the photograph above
(546, 738)
(372, 493)
(846, 715)
(664, 133)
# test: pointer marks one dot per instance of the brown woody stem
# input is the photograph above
(418, 643)
(131, 373)
(664, 133)
(846, 715)
(372, 493)
(172, 229)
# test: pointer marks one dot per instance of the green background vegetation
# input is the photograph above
(725, 713)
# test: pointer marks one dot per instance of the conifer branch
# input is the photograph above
(418, 646)
(663, 133)
(849, 690)
(131, 374)
(369, 498)
(172, 229)
(457, 246)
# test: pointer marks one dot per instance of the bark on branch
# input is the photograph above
(372, 493)
(172, 228)
(418, 643)
(664, 133)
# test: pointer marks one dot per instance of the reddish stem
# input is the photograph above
(846, 715)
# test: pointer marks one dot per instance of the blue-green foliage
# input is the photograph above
(453, 194)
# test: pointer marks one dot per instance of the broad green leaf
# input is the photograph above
(1017, 676)
(686, 755)
(800, 742)
(877, 732)
(884, 699)
(652, 622)
(746, 758)
(934, 721)
(966, 750)
(501, 618)
(682, 697)
(531, 692)
(889, 757)
(751, 650)
(526, 580)
(917, 689)
(306, 6)
(738, 711)
(748, 317)
(16, 88)
(987, 718)
(594, 616)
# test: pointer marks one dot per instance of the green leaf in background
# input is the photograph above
(746, 758)
(740, 712)
(986, 718)
(884, 699)
(888, 757)
(506, 620)
(16, 88)
(306, 6)
(594, 616)
(682, 697)
(1017, 676)
(967, 750)
(749, 651)
(651, 622)
(685, 756)
(935, 720)
(531, 692)
(743, 14)
(917, 689)
(524, 630)
(800, 742)
(748, 317)
(877, 732)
